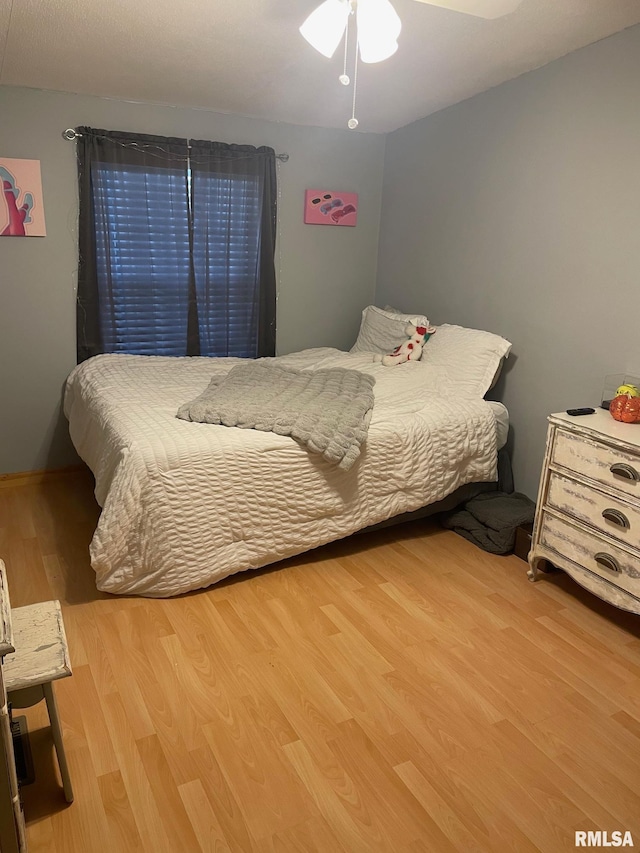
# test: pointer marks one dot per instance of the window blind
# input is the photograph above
(143, 257)
(227, 213)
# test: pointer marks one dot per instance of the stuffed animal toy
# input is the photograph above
(410, 350)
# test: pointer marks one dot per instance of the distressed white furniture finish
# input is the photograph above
(41, 657)
(12, 834)
(588, 513)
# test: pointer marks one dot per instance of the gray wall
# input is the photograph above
(518, 211)
(326, 275)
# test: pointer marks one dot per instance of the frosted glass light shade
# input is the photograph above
(378, 30)
(325, 26)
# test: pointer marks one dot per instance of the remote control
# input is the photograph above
(576, 412)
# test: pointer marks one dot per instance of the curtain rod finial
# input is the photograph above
(69, 133)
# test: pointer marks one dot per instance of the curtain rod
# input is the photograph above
(70, 134)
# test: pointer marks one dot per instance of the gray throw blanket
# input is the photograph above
(327, 410)
(490, 520)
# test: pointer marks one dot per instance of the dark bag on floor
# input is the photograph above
(490, 520)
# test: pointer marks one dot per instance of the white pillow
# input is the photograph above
(382, 331)
(471, 358)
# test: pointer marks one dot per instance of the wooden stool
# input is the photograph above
(40, 658)
(12, 830)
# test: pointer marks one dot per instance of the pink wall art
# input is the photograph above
(21, 207)
(322, 207)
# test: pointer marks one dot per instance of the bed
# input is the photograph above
(185, 505)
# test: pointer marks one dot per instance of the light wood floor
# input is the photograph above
(399, 691)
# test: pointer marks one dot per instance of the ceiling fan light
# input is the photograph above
(325, 26)
(377, 52)
(378, 30)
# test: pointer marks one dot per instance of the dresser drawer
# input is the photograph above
(615, 517)
(613, 563)
(614, 468)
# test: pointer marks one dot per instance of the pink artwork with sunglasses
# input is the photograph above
(322, 207)
(21, 207)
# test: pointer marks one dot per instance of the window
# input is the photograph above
(176, 247)
(226, 228)
(142, 260)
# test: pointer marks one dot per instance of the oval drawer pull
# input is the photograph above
(624, 470)
(617, 517)
(607, 561)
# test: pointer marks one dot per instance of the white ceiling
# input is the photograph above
(247, 57)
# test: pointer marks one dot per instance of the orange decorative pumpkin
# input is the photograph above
(626, 409)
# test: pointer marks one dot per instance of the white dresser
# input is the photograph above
(588, 513)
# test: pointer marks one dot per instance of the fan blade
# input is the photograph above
(325, 26)
(378, 30)
(478, 8)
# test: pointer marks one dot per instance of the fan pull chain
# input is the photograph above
(344, 77)
(353, 121)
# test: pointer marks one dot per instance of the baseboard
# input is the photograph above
(33, 478)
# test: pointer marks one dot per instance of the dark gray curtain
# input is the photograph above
(234, 233)
(176, 246)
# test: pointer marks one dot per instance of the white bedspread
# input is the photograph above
(186, 504)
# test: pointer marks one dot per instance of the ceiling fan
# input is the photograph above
(378, 27)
